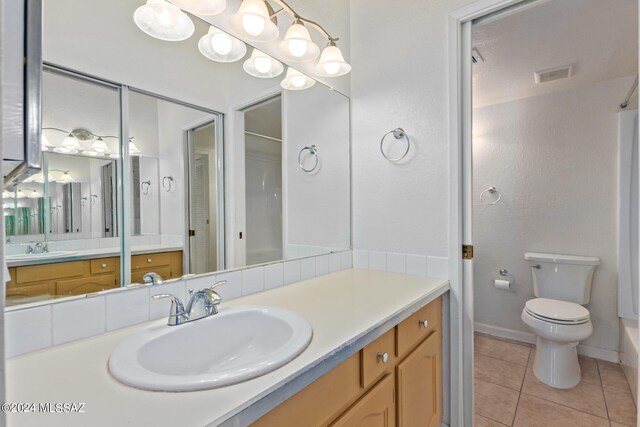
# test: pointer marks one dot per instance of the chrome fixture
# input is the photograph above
(503, 272)
(38, 248)
(492, 191)
(634, 86)
(201, 304)
(398, 133)
(73, 144)
(313, 151)
(153, 278)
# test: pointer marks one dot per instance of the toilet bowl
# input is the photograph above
(559, 326)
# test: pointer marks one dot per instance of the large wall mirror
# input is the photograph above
(159, 160)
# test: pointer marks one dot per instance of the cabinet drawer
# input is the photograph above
(372, 365)
(150, 260)
(36, 273)
(85, 285)
(377, 408)
(103, 265)
(412, 331)
(320, 402)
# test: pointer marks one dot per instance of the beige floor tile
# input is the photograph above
(495, 402)
(509, 351)
(584, 397)
(499, 371)
(620, 406)
(589, 368)
(480, 421)
(535, 412)
(612, 376)
(615, 424)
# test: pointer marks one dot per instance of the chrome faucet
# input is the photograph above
(153, 278)
(38, 248)
(201, 304)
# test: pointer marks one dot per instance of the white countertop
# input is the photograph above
(347, 310)
(81, 254)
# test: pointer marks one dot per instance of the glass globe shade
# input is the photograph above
(164, 21)
(253, 21)
(332, 63)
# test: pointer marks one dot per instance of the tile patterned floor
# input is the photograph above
(507, 393)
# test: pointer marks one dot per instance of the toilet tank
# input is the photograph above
(562, 277)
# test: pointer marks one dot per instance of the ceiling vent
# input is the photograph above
(551, 74)
(475, 57)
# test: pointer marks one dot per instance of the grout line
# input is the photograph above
(502, 360)
(569, 407)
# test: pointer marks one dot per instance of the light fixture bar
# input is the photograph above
(295, 15)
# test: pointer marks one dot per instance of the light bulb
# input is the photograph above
(331, 68)
(297, 48)
(298, 81)
(253, 24)
(263, 64)
(221, 43)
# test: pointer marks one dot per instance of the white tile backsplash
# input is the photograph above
(27, 330)
(378, 261)
(438, 267)
(126, 308)
(66, 315)
(396, 263)
(360, 259)
(416, 265)
(307, 268)
(273, 275)
(291, 272)
(252, 280)
(35, 328)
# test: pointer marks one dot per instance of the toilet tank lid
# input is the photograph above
(561, 259)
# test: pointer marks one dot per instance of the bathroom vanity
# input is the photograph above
(359, 318)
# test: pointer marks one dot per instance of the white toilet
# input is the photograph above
(562, 284)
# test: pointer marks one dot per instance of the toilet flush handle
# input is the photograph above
(537, 266)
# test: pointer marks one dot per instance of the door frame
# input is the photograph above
(460, 205)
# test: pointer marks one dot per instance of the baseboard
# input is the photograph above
(529, 338)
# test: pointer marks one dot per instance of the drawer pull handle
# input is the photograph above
(104, 265)
(423, 323)
(149, 260)
(383, 357)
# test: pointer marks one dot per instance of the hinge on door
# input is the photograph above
(192, 233)
(467, 251)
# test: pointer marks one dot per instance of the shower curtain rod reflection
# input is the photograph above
(263, 136)
(634, 86)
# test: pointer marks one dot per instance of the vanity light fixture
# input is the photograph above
(66, 177)
(164, 21)
(332, 63)
(297, 44)
(221, 47)
(295, 80)
(202, 7)
(133, 150)
(262, 65)
(7, 194)
(252, 20)
(70, 145)
(46, 145)
(34, 194)
(99, 146)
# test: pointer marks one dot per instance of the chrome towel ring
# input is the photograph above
(490, 190)
(146, 187)
(167, 184)
(313, 151)
(398, 133)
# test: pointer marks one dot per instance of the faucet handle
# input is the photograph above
(176, 312)
(220, 283)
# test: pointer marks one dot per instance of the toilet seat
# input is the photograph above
(557, 312)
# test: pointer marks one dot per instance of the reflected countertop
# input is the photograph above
(347, 310)
(83, 254)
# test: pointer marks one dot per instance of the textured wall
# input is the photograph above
(554, 159)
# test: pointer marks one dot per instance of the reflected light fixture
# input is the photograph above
(70, 145)
(262, 65)
(133, 150)
(221, 47)
(100, 146)
(253, 21)
(66, 177)
(34, 194)
(332, 63)
(46, 145)
(202, 7)
(164, 21)
(295, 80)
(297, 44)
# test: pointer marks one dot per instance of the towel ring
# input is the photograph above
(398, 133)
(313, 151)
(490, 190)
(167, 183)
(146, 187)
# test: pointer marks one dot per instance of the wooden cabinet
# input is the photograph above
(396, 380)
(86, 276)
(376, 408)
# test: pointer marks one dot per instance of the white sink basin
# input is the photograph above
(52, 254)
(235, 345)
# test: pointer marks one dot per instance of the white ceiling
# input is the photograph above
(600, 37)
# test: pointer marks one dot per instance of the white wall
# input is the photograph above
(317, 203)
(554, 159)
(399, 79)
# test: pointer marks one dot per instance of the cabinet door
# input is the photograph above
(374, 409)
(420, 385)
(85, 285)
